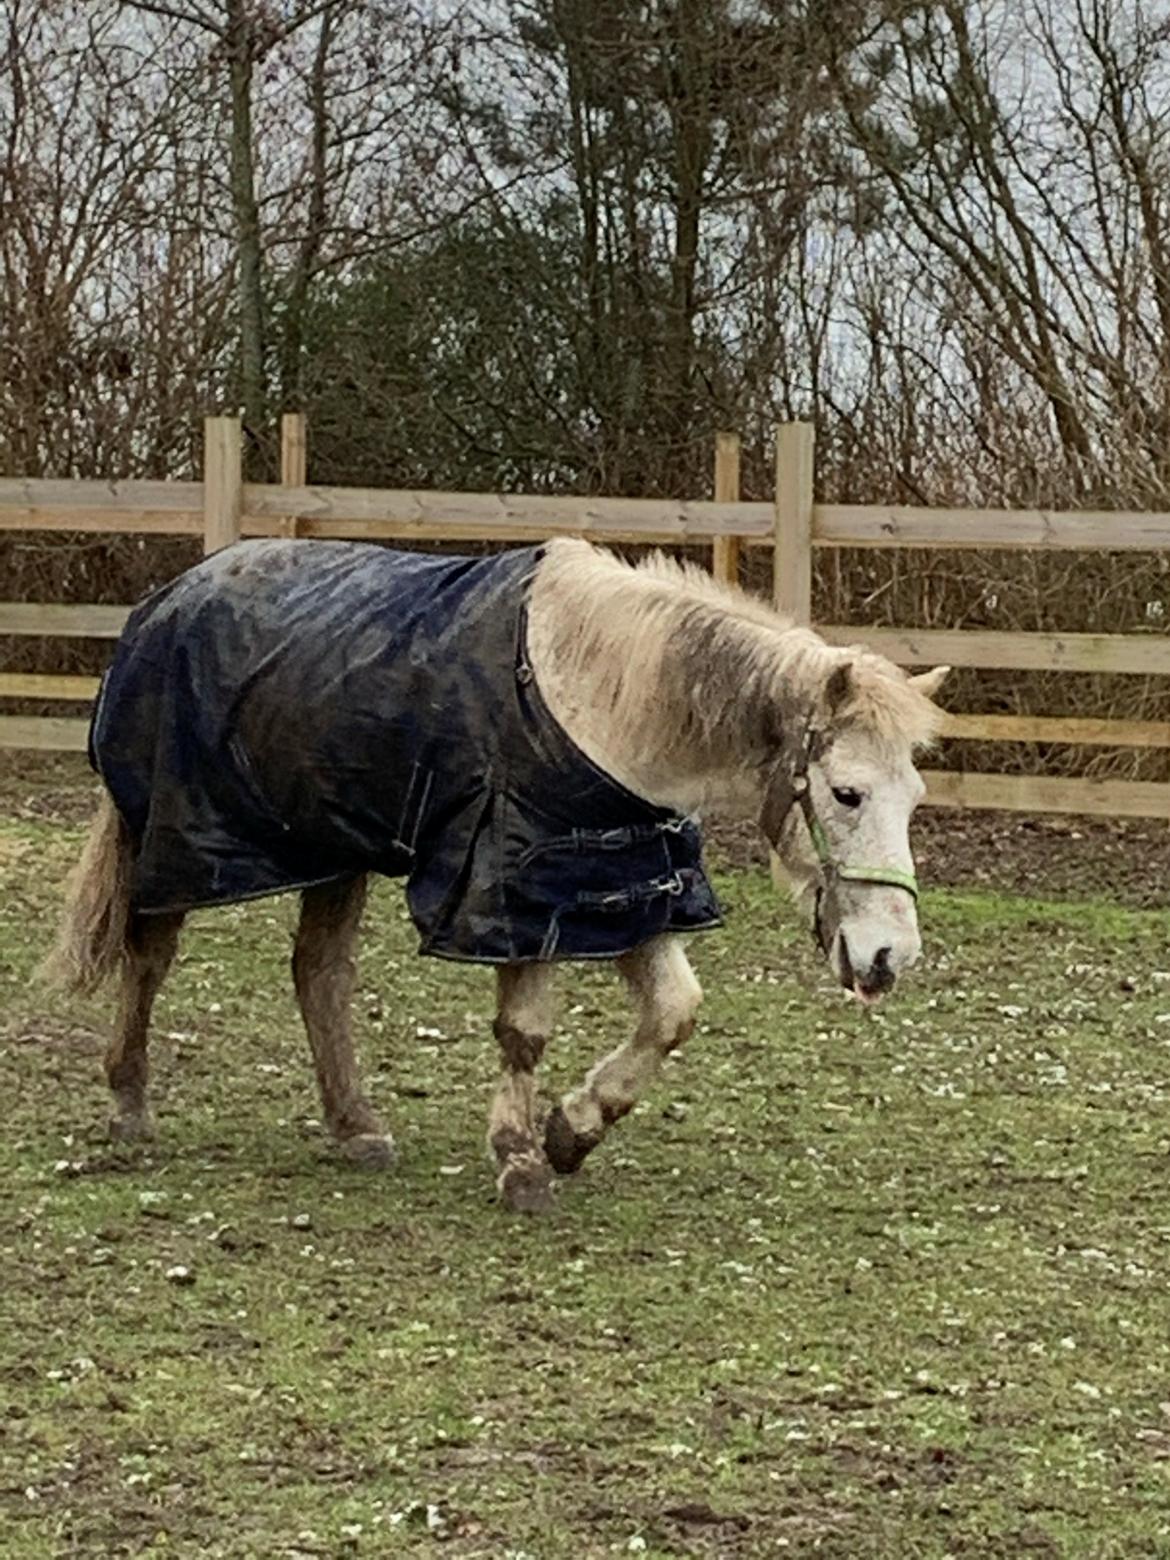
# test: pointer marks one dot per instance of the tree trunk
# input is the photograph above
(292, 389)
(690, 111)
(247, 219)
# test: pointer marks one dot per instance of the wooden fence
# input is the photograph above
(223, 507)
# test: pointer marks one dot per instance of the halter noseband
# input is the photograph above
(833, 870)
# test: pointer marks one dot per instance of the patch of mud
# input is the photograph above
(53, 1034)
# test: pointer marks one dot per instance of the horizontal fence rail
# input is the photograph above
(43, 733)
(116, 508)
(1048, 793)
(223, 507)
(54, 622)
(1143, 654)
(1012, 530)
(402, 514)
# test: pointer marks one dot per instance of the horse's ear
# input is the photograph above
(930, 682)
(839, 686)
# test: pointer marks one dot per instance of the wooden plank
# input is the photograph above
(61, 622)
(136, 508)
(389, 514)
(1043, 793)
(726, 552)
(792, 540)
(1138, 653)
(294, 460)
(294, 450)
(176, 509)
(43, 733)
(792, 553)
(43, 685)
(223, 482)
(879, 525)
(1060, 729)
(972, 728)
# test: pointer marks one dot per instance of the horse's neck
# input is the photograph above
(662, 765)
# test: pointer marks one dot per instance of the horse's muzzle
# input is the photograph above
(870, 985)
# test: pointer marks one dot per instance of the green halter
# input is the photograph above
(832, 869)
(894, 877)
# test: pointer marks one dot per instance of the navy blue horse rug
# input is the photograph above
(291, 712)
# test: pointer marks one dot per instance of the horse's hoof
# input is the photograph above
(566, 1149)
(137, 1127)
(370, 1150)
(526, 1188)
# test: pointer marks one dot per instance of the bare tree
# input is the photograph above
(101, 181)
(1021, 171)
(240, 34)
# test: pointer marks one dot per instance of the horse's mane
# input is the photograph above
(722, 662)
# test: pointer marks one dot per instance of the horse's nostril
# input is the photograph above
(881, 976)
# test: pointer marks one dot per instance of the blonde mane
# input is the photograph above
(668, 656)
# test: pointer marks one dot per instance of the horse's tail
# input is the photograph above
(91, 939)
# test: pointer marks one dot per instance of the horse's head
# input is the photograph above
(837, 808)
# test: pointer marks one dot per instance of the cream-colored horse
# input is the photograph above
(701, 698)
(694, 697)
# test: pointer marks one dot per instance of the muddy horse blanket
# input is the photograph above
(290, 712)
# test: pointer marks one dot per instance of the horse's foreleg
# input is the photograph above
(151, 942)
(324, 974)
(524, 1019)
(667, 995)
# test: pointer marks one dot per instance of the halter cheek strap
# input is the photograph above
(831, 869)
(893, 877)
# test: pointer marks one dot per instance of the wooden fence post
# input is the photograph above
(725, 557)
(294, 460)
(792, 553)
(223, 482)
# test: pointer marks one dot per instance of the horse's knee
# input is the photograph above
(316, 962)
(690, 997)
(677, 1009)
(525, 1004)
(151, 944)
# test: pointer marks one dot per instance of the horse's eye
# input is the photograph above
(847, 796)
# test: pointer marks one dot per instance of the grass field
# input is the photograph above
(851, 1283)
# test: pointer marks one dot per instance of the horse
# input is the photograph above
(528, 738)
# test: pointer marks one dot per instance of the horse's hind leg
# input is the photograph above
(667, 994)
(324, 973)
(151, 941)
(524, 1018)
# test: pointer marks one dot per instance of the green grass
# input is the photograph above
(851, 1283)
